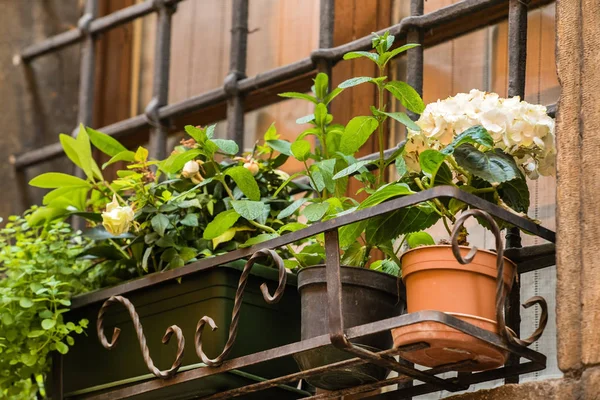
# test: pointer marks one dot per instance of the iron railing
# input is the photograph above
(240, 94)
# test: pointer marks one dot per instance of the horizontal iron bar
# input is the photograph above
(335, 223)
(324, 340)
(532, 258)
(428, 22)
(97, 26)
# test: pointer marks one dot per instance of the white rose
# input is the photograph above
(190, 169)
(116, 219)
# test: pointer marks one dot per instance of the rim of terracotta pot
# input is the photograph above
(467, 267)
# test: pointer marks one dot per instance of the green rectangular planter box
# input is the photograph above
(211, 292)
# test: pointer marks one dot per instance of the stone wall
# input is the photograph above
(578, 216)
(39, 101)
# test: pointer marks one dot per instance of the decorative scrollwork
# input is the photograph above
(501, 293)
(173, 329)
(233, 328)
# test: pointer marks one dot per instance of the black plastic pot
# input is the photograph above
(367, 296)
(89, 367)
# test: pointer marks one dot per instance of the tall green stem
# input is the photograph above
(380, 131)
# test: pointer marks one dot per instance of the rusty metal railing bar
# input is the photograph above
(98, 26)
(517, 58)
(324, 340)
(160, 81)
(392, 205)
(237, 72)
(429, 21)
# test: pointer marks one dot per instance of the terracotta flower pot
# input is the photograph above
(436, 281)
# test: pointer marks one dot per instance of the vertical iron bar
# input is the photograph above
(334, 284)
(237, 71)
(160, 83)
(414, 77)
(517, 58)
(326, 26)
(87, 70)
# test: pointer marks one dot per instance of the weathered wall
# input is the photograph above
(38, 102)
(578, 219)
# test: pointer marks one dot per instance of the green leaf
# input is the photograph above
(210, 131)
(306, 119)
(403, 119)
(69, 145)
(190, 220)
(52, 180)
(326, 169)
(291, 227)
(401, 167)
(334, 93)
(321, 85)
(444, 176)
(48, 324)
(407, 96)
(515, 193)
(84, 151)
(474, 135)
(105, 143)
(175, 162)
(348, 83)
(357, 132)
(198, 134)
(296, 95)
(301, 149)
(228, 235)
(263, 237)
(406, 220)
(492, 166)
(145, 258)
(417, 239)
(354, 255)
(35, 333)
(126, 155)
(385, 193)
(289, 210)
(430, 162)
(160, 222)
(245, 182)
(99, 233)
(271, 133)
(141, 154)
(29, 359)
(62, 348)
(25, 302)
(387, 56)
(321, 115)
(348, 234)
(353, 168)
(386, 266)
(226, 146)
(282, 146)
(357, 54)
(250, 210)
(315, 211)
(223, 221)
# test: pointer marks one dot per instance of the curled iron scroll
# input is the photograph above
(501, 292)
(173, 329)
(233, 328)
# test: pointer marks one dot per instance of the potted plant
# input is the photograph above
(158, 215)
(368, 294)
(485, 145)
(39, 272)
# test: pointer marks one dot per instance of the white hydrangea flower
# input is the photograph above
(518, 128)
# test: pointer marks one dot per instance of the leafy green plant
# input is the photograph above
(40, 272)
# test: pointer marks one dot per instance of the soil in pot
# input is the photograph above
(367, 296)
(261, 326)
(436, 281)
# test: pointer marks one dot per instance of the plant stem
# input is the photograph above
(446, 226)
(484, 190)
(457, 167)
(310, 175)
(380, 132)
(229, 193)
